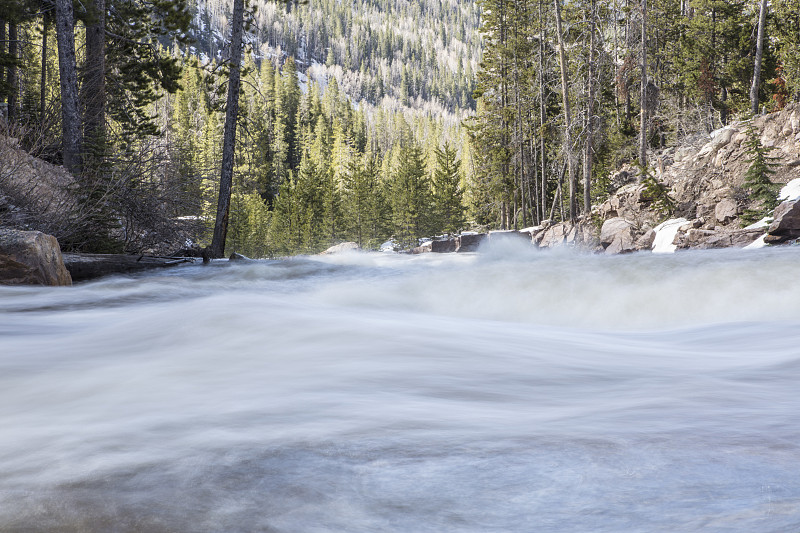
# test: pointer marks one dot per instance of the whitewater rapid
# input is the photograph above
(509, 390)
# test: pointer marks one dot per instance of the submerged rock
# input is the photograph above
(31, 258)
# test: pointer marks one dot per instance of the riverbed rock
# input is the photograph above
(726, 210)
(238, 257)
(31, 258)
(342, 247)
(704, 239)
(469, 242)
(443, 246)
(553, 236)
(785, 222)
(423, 248)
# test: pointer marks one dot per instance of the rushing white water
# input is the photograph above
(505, 391)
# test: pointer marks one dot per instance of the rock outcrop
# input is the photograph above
(785, 223)
(341, 247)
(31, 258)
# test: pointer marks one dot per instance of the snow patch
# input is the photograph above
(665, 234)
(758, 243)
(790, 191)
(763, 223)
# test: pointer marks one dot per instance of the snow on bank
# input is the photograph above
(790, 191)
(665, 234)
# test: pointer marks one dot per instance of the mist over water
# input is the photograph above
(510, 390)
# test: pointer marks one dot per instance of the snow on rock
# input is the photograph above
(758, 243)
(790, 191)
(763, 223)
(665, 234)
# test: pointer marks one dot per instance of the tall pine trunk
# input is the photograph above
(762, 19)
(13, 69)
(643, 93)
(568, 151)
(93, 87)
(589, 148)
(70, 114)
(229, 137)
(43, 80)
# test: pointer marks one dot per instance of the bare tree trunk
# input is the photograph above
(2, 50)
(93, 87)
(70, 114)
(229, 136)
(43, 81)
(762, 19)
(643, 93)
(589, 148)
(573, 206)
(13, 81)
(542, 116)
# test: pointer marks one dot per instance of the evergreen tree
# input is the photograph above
(757, 178)
(411, 197)
(447, 191)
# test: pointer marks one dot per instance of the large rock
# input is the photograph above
(726, 210)
(469, 242)
(31, 258)
(342, 247)
(701, 239)
(617, 236)
(786, 221)
(443, 246)
(553, 236)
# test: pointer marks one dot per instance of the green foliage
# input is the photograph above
(657, 194)
(447, 191)
(757, 178)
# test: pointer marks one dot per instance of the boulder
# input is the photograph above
(613, 227)
(423, 248)
(342, 247)
(645, 242)
(238, 257)
(443, 246)
(726, 210)
(553, 236)
(31, 258)
(702, 239)
(469, 242)
(786, 220)
(506, 235)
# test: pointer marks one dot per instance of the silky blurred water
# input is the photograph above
(509, 390)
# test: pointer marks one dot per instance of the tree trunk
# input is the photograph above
(93, 87)
(13, 69)
(70, 114)
(229, 136)
(762, 19)
(567, 116)
(643, 93)
(43, 81)
(2, 51)
(589, 148)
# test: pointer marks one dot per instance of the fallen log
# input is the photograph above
(91, 266)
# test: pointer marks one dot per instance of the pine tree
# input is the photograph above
(757, 178)
(411, 197)
(447, 191)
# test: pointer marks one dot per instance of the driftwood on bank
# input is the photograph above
(89, 266)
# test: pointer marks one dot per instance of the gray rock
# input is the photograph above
(238, 257)
(342, 247)
(786, 220)
(443, 246)
(553, 236)
(645, 242)
(726, 210)
(469, 242)
(613, 227)
(423, 248)
(31, 258)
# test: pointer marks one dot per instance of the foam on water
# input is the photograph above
(504, 391)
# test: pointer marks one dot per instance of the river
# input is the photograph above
(506, 391)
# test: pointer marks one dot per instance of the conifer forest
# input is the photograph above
(272, 129)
